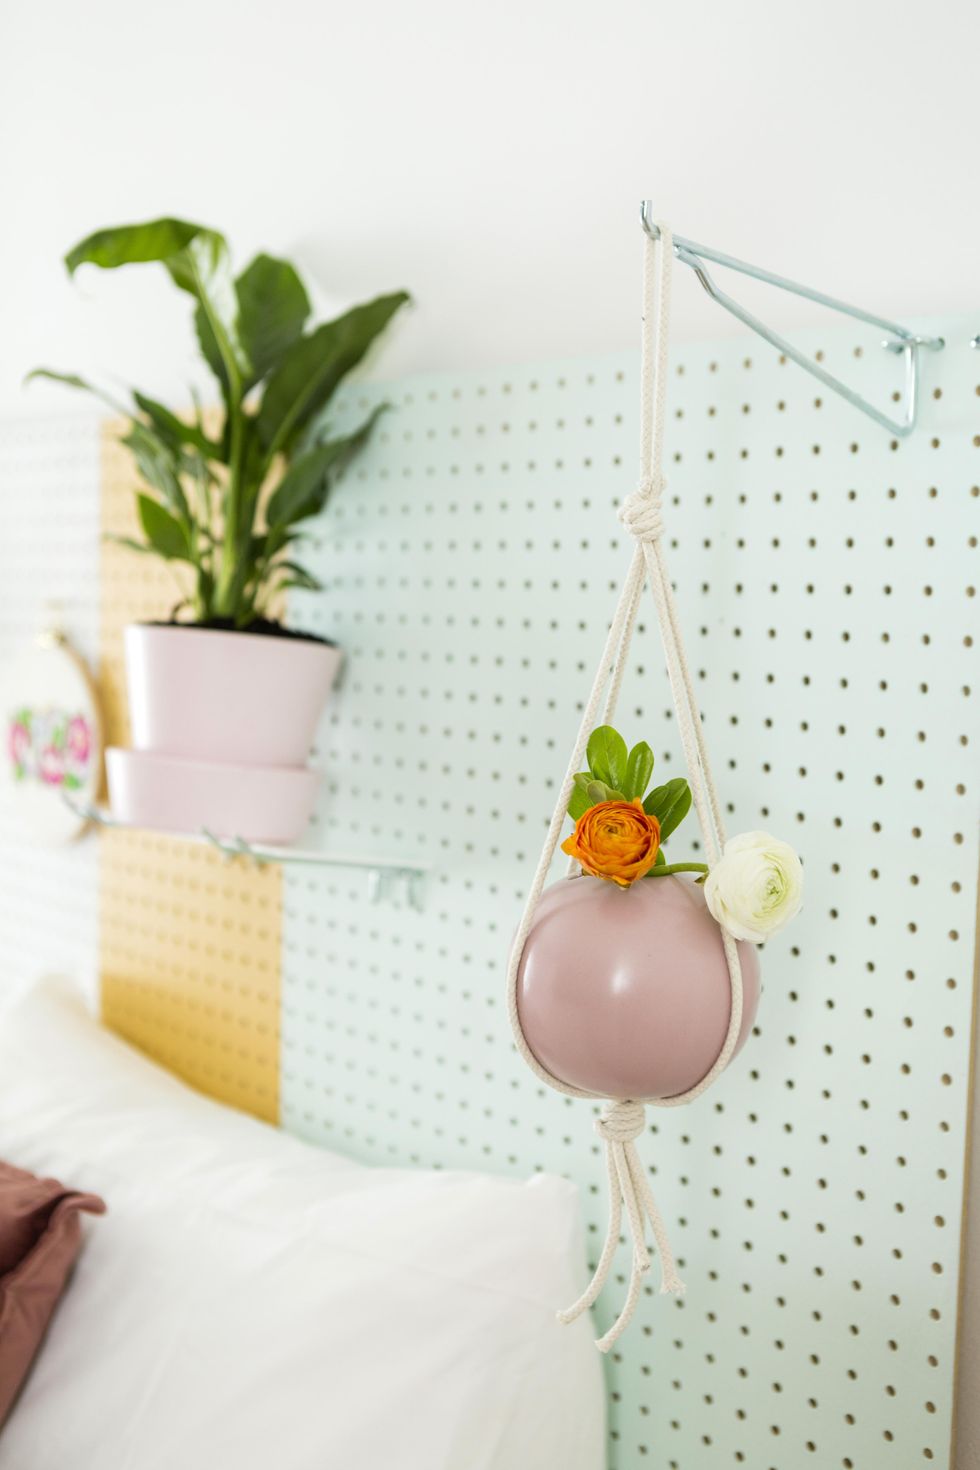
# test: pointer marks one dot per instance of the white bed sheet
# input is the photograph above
(252, 1302)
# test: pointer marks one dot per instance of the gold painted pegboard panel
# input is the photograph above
(189, 944)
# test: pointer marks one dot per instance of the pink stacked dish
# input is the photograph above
(257, 803)
(222, 726)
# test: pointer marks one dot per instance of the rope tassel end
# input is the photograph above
(619, 1125)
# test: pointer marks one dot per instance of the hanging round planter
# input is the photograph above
(626, 993)
(630, 979)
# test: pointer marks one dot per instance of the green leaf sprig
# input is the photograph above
(617, 773)
(228, 505)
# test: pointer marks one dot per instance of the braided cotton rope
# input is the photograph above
(623, 1120)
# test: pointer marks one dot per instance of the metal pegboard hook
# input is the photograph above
(228, 848)
(414, 882)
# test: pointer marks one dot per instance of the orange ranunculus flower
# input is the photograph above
(615, 840)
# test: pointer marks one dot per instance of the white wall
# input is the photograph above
(488, 157)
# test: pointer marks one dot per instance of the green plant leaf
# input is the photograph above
(312, 368)
(174, 431)
(159, 467)
(299, 576)
(587, 792)
(272, 310)
(598, 791)
(304, 488)
(155, 456)
(263, 547)
(670, 804)
(578, 803)
(197, 261)
(72, 380)
(607, 756)
(639, 769)
(210, 351)
(129, 543)
(203, 269)
(163, 531)
(130, 244)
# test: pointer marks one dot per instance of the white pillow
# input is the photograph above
(255, 1302)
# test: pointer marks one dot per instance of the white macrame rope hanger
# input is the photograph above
(623, 1120)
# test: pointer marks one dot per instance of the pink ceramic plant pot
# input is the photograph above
(625, 992)
(208, 695)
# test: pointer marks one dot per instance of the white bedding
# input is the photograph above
(252, 1303)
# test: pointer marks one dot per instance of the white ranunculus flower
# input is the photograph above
(755, 887)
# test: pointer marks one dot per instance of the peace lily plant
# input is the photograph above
(229, 505)
(223, 715)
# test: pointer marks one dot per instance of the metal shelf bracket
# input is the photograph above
(899, 340)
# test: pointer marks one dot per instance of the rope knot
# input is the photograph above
(621, 1122)
(640, 512)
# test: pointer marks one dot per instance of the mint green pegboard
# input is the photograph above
(826, 580)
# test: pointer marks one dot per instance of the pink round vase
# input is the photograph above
(624, 992)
